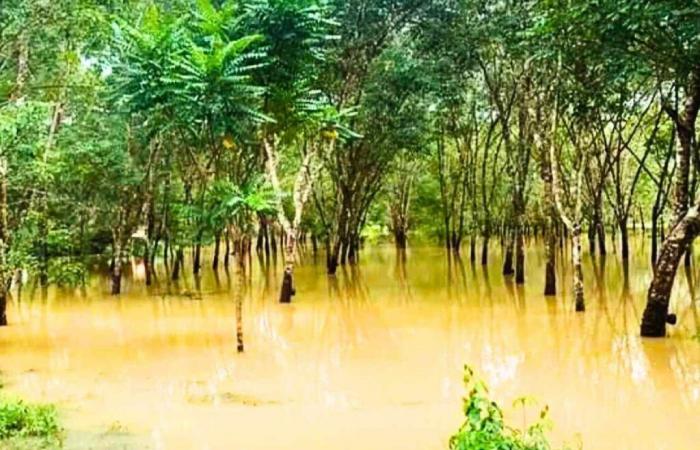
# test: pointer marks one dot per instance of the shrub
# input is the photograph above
(20, 420)
(484, 427)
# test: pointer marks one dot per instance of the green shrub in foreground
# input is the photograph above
(22, 420)
(484, 427)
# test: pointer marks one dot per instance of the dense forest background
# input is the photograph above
(154, 128)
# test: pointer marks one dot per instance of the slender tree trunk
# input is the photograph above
(217, 248)
(602, 249)
(592, 237)
(550, 224)
(240, 292)
(550, 276)
(3, 306)
(624, 239)
(147, 264)
(4, 234)
(508, 258)
(227, 249)
(332, 257)
(472, 249)
(578, 268)
(485, 250)
(519, 256)
(288, 277)
(197, 257)
(177, 264)
(117, 268)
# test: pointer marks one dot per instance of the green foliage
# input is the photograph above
(228, 204)
(20, 420)
(484, 427)
(66, 272)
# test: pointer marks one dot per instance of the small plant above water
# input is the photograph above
(37, 424)
(484, 427)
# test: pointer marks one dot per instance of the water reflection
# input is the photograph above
(214, 361)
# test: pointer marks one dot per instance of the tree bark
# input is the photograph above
(550, 275)
(624, 239)
(217, 248)
(287, 291)
(116, 284)
(672, 250)
(508, 258)
(177, 264)
(240, 292)
(578, 269)
(4, 236)
(519, 256)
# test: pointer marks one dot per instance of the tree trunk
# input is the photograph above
(578, 269)
(472, 249)
(117, 268)
(147, 264)
(4, 235)
(332, 257)
(519, 256)
(550, 276)
(485, 250)
(624, 239)
(197, 258)
(227, 249)
(217, 248)
(592, 235)
(672, 249)
(3, 306)
(400, 239)
(177, 265)
(602, 249)
(240, 291)
(288, 290)
(508, 259)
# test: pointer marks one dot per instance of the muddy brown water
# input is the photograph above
(369, 360)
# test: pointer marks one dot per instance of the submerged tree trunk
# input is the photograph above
(677, 242)
(217, 248)
(197, 257)
(177, 265)
(686, 224)
(240, 293)
(578, 268)
(508, 258)
(287, 291)
(550, 275)
(519, 256)
(302, 189)
(227, 249)
(116, 285)
(472, 249)
(4, 234)
(550, 207)
(624, 239)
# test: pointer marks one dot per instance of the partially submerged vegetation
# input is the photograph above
(152, 129)
(25, 425)
(484, 426)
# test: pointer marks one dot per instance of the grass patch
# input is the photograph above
(484, 427)
(25, 425)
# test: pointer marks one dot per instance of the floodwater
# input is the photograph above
(370, 360)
